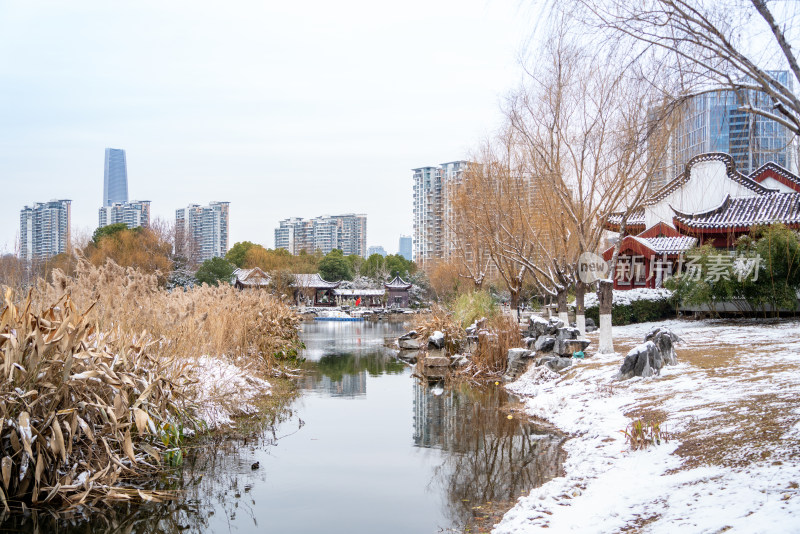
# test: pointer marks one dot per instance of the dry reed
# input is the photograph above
(96, 369)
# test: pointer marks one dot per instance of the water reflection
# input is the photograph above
(335, 465)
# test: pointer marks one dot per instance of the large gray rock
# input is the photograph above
(436, 340)
(564, 336)
(648, 358)
(664, 341)
(517, 363)
(643, 360)
(554, 363)
(436, 361)
(409, 344)
(537, 326)
(545, 344)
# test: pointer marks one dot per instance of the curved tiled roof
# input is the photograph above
(313, 281)
(781, 174)
(397, 283)
(730, 170)
(745, 212)
(667, 245)
(635, 219)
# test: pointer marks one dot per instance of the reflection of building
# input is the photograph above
(435, 417)
(714, 121)
(44, 229)
(348, 385)
(347, 233)
(201, 232)
(133, 214)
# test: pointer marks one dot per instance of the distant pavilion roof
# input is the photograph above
(740, 214)
(397, 283)
(254, 277)
(313, 281)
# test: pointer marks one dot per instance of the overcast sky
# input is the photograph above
(282, 108)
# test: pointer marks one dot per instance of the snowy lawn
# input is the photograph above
(731, 407)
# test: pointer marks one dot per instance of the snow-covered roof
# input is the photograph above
(744, 212)
(359, 292)
(772, 169)
(730, 171)
(397, 283)
(667, 245)
(254, 277)
(635, 220)
(314, 281)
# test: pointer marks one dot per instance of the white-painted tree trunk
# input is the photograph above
(564, 318)
(580, 323)
(606, 342)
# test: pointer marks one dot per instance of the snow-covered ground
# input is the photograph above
(223, 390)
(732, 406)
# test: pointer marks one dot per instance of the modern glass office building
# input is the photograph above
(715, 122)
(115, 177)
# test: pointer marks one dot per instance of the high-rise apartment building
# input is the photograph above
(714, 121)
(345, 232)
(404, 247)
(201, 232)
(44, 229)
(377, 249)
(134, 213)
(115, 177)
(432, 209)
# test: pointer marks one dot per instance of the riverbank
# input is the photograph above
(731, 409)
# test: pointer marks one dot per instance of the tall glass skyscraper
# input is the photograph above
(715, 121)
(115, 177)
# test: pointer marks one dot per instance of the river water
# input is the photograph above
(365, 448)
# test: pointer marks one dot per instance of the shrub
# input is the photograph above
(636, 311)
(469, 307)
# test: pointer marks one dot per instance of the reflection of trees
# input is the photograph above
(214, 480)
(346, 374)
(488, 456)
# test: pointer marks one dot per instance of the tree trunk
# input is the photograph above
(515, 302)
(605, 296)
(561, 298)
(580, 311)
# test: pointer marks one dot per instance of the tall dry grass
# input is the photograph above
(96, 370)
(491, 355)
(217, 321)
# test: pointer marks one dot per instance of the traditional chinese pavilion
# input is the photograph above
(710, 202)
(250, 278)
(398, 292)
(312, 290)
(371, 298)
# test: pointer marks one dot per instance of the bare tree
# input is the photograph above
(732, 43)
(591, 133)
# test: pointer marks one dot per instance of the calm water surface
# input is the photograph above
(365, 449)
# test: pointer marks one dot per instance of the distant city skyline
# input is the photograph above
(276, 114)
(347, 233)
